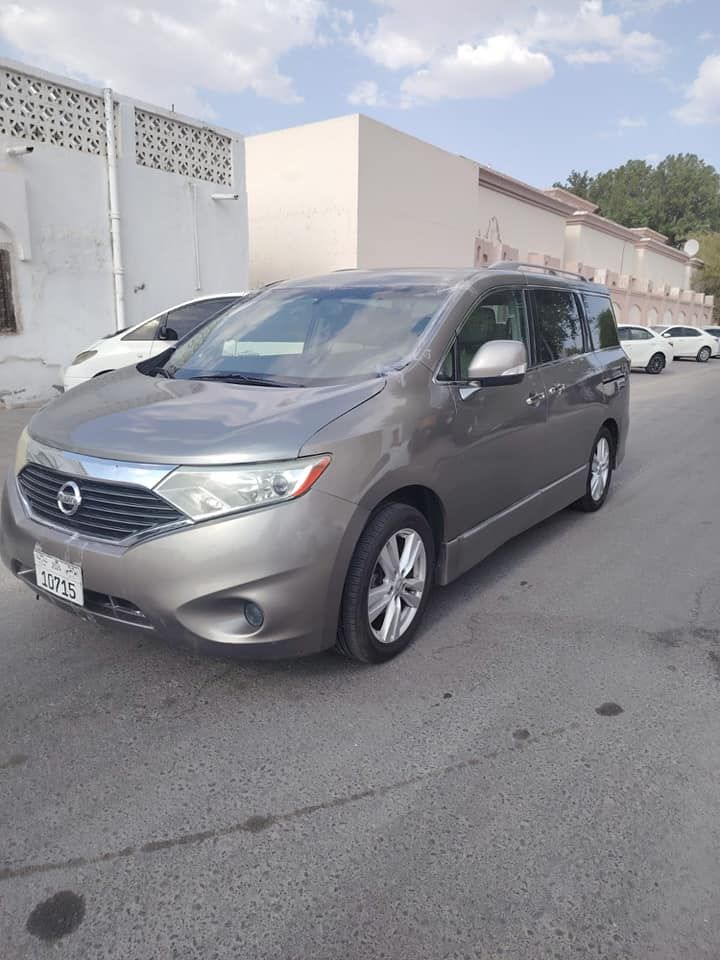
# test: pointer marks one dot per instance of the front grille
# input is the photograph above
(111, 511)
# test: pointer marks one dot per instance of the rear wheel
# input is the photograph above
(600, 471)
(704, 354)
(387, 586)
(656, 364)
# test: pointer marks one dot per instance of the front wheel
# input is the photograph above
(704, 354)
(600, 471)
(387, 586)
(656, 363)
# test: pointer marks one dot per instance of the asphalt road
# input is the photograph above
(475, 798)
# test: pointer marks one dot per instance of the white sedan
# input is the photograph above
(714, 332)
(691, 343)
(145, 339)
(645, 348)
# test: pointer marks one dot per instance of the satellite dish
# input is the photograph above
(691, 247)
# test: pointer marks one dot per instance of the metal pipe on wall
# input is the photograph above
(114, 209)
(196, 239)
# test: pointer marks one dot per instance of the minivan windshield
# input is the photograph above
(306, 335)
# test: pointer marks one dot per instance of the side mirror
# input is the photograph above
(167, 333)
(499, 362)
(666, 334)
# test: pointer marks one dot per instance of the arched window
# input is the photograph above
(668, 318)
(617, 311)
(635, 314)
(652, 317)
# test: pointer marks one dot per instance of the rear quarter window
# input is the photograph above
(601, 321)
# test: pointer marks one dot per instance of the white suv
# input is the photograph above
(145, 339)
(692, 343)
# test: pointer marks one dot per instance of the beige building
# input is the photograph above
(352, 192)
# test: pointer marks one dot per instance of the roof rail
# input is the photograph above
(553, 271)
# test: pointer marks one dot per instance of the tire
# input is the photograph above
(371, 567)
(656, 363)
(704, 354)
(594, 497)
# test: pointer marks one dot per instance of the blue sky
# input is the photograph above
(531, 88)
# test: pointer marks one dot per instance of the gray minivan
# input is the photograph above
(297, 474)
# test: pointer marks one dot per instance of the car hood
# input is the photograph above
(129, 416)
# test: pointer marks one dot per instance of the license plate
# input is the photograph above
(59, 577)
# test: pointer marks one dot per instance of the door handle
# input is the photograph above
(535, 399)
(556, 389)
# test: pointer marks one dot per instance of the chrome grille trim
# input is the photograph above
(146, 475)
(111, 511)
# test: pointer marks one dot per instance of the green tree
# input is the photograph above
(708, 280)
(680, 197)
(687, 197)
(577, 183)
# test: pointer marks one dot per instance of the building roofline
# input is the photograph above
(647, 234)
(567, 196)
(519, 190)
(649, 243)
(596, 222)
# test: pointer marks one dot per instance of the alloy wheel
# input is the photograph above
(600, 469)
(397, 585)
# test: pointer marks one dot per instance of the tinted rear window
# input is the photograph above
(601, 321)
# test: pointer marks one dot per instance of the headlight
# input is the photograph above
(203, 492)
(21, 451)
(85, 355)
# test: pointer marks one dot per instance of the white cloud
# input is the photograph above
(170, 51)
(467, 47)
(631, 123)
(652, 158)
(703, 99)
(367, 94)
(498, 67)
(705, 36)
(592, 36)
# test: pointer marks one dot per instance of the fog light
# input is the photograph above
(253, 614)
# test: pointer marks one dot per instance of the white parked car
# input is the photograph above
(691, 343)
(145, 339)
(714, 332)
(645, 348)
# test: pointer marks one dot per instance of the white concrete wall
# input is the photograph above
(54, 218)
(599, 249)
(415, 202)
(659, 269)
(157, 231)
(303, 199)
(63, 289)
(524, 226)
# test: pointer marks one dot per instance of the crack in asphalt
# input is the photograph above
(258, 822)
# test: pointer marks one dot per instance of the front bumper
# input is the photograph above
(189, 586)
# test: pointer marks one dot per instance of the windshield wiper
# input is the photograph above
(243, 378)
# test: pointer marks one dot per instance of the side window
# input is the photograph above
(558, 330)
(500, 316)
(640, 334)
(146, 331)
(183, 320)
(601, 321)
(673, 332)
(447, 367)
(8, 323)
(691, 332)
